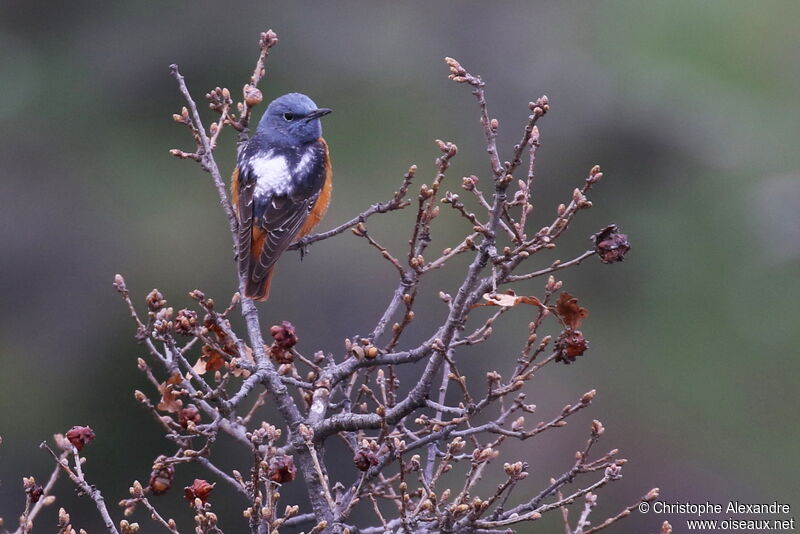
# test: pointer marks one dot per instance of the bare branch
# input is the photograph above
(460, 422)
(84, 487)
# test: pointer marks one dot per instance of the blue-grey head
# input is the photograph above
(291, 120)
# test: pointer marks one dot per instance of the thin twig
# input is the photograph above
(85, 488)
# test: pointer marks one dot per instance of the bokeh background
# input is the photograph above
(690, 107)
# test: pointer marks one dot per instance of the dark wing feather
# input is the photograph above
(244, 212)
(283, 217)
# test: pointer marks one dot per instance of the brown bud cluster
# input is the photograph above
(119, 284)
(197, 295)
(267, 433)
(186, 322)
(541, 106)
(155, 301)
(449, 149)
(452, 199)
(63, 522)
(182, 117)
(480, 456)
(161, 476)
(80, 436)
(162, 325)
(651, 495)
(611, 244)
(570, 345)
(267, 39)
(187, 415)
(32, 489)
(218, 98)
(597, 428)
(469, 182)
(517, 470)
(200, 489)
(359, 230)
(457, 72)
(521, 194)
(365, 458)
(281, 468)
(595, 175)
(614, 471)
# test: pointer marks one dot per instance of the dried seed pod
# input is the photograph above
(570, 345)
(284, 335)
(34, 490)
(281, 468)
(80, 436)
(285, 338)
(200, 489)
(364, 458)
(161, 476)
(610, 244)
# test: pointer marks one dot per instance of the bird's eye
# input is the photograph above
(288, 116)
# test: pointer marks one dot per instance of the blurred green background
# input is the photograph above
(691, 108)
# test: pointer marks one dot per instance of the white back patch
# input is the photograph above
(272, 174)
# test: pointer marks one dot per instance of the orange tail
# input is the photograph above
(259, 291)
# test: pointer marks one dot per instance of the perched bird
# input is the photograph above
(281, 186)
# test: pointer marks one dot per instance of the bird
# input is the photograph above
(280, 188)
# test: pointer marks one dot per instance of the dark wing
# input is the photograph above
(245, 185)
(283, 217)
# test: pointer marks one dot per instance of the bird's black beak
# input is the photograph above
(317, 113)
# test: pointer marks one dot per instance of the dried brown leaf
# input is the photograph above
(169, 402)
(569, 312)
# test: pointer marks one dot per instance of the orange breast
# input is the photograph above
(321, 205)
